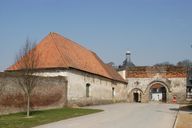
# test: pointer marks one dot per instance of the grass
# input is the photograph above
(19, 120)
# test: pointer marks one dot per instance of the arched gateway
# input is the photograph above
(158, 83)
(157, 91)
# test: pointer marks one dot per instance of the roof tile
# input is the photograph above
(57, 51)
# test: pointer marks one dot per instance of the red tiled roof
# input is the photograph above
(59, 52)
(151, 71)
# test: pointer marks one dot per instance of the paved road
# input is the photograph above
(123, 116)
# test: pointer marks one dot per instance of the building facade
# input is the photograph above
(88, 80)
(72, 75)
(85, 88)
(156, 83)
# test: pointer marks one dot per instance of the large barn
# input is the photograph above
(88, 80)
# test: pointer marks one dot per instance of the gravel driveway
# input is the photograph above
(123, 115)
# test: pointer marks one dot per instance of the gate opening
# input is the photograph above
(136, 97)
(137, 93)
(158, 93)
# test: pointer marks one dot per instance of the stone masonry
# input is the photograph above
(142, 79)
(51, 92)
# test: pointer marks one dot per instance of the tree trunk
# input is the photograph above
(28, 105)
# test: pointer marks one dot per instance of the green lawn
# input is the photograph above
(19, 120)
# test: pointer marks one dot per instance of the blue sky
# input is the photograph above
(153, 30)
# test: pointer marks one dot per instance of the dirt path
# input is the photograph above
(184, 119)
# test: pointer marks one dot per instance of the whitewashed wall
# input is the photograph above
(100, 87)
(122, 73)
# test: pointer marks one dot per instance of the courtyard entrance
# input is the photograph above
(158, 92)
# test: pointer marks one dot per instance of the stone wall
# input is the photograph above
(140, 79)
(50, 92)
(174, 87)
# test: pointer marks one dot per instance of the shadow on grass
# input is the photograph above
(174, 109)
(187, 108)
(36, 112)
(31, 113)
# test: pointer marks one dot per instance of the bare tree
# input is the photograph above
(166, 63)
(186, 63)
(26, 64)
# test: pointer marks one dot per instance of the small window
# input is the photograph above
(113, 92)
(87, 90)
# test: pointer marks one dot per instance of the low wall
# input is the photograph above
(50, 92)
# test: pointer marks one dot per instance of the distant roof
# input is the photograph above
(126, 64)
(57, 51)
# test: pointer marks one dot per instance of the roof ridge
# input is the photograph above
(57, 48)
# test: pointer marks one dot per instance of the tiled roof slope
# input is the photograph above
(58, 52)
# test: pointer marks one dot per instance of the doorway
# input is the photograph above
(136, 97)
